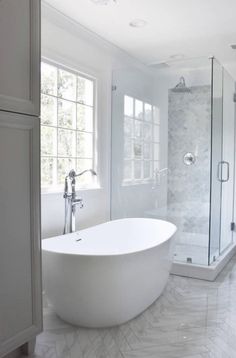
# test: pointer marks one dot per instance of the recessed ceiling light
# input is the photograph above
(138, 23)
(102, 2)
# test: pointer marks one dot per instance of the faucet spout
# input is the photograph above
(71, 200)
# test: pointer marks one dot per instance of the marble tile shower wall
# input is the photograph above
(189, 130)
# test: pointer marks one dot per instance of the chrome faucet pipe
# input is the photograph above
(71, 201)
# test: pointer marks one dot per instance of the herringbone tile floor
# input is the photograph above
(192, 319)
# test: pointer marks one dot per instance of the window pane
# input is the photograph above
(156, 115)
(64, 165)
(148, 112)
(84, 118)
(156, 131)
(156, 165)
(138, 126)
(156, 151)
(128, 169)
(48, 140)
(128, 148)
(66, 85)
(129, 106)
(146, 169)
(66, 114)
(86, 179)
(48, 79)
(147, 132)
(138, 149)
(66, 143)
(138, 109)
(84, 145)
(147, 153)
(137, 169)
(47, 171)
(128, 126)
(85, 91)
(48, 110)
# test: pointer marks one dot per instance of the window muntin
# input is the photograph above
(67, 125)
(141, 140)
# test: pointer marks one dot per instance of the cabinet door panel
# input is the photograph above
(19, 56)
(19, 229)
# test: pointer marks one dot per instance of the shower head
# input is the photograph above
(181, 86)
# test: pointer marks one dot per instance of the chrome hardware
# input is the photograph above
(189, 158)
(220, 171)
(158, 174)
(71, 201)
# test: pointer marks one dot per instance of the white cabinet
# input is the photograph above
(19, 56)
(20, 241)
(20, 261)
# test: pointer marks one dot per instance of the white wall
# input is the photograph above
(68, 43)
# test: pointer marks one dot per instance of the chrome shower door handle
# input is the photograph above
(220, 168)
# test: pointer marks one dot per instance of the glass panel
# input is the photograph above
(146, 169)
(129, 106)
(66, 114)
(84, 145)
(66, 85)
(128, 152)
(66, 143)
(156, 133)
(84, 118)
(48, 110)
(148, 112)
(48, 141)
(137, 169)
(138, 109)
(128, 126)
(47, 171)
(147, 152)
(156, 115)
(138, 149)
(138, 129)
(128, 170)
(85, 91)
(228, 151)
(147, 132)
(217, 123)
(48, 79)
(87, 179)
(64, 165)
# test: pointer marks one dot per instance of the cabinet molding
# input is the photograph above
(32, 126)
(31, 105)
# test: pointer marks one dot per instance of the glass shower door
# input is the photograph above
(222, 161)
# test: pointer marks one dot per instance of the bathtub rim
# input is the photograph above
(89, 255)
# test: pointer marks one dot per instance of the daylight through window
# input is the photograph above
(141, 140)
(67, 125)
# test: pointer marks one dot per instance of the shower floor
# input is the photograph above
(195, 254)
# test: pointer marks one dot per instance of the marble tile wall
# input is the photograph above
(189, 130)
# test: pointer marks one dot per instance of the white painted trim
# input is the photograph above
(32, 105)
(32, 125)
(208, 273)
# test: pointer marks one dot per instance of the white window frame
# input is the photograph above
(80, 73)
(153, 162)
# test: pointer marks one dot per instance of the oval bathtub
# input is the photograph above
(107, 274)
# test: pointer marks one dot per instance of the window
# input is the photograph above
(67, 125)
(141, 140)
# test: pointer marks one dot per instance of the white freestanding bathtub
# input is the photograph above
(108, 274)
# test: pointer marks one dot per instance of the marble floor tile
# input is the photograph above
(192, 319)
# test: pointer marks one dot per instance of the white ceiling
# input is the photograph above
(189, 27)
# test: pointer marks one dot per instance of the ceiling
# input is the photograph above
(190, 28)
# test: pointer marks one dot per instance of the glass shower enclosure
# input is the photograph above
(173, 152)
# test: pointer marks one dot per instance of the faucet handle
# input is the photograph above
(78, 201)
